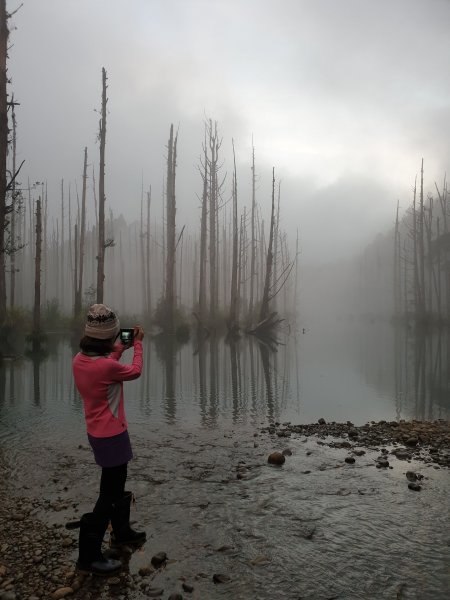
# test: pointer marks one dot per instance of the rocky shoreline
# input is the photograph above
(37, 558)
(425, 441)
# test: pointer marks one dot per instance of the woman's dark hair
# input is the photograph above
(94, 346)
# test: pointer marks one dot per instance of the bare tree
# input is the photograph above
(264, 312)
(233, 325)
(203, 242)
(101, 196)
(3, 153)
(169, 298)
(253, 238)
(79, 283)
(37, 278)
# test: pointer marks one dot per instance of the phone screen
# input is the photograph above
(126, 336)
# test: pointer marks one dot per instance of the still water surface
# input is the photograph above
(195, 416)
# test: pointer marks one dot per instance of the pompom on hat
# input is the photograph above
(101, 323)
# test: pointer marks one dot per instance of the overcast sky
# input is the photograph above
(342, 97)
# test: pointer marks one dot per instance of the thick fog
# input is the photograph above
(342, 98)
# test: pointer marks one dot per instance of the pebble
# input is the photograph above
(188, 588)
(416, 487)
(349, 459)
(221, 578)
(276, 458)
(159, 559)
(144, 571)
(154, 592)
(62, 593)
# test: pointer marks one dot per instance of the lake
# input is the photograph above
(195, 418)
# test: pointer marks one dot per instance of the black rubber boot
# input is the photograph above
(90, 557)
(122, 534)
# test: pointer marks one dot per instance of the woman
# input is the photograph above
(99, 377)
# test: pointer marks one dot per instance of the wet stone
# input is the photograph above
(276, 458)
(349, 460)
(221, 578)
(382, 464)
(62, 593)
(416, 487)
(154, 592)
(159, 559)
(412, 441)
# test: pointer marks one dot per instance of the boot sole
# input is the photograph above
(87, 571)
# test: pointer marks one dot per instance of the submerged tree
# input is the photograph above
(36, 334)
(3, 153)
(265, 310)
(233, 321)
(101, 196)
(80, 254)
(169, 296)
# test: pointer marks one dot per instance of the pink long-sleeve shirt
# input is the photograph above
(99, 380)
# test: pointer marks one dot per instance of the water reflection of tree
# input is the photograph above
(2, 385)
(267, 348)
(235, 388)
(201, 353)
(37, 381)
(166, 349)
(421, 373)
(213, 379)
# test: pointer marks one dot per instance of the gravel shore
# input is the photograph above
(37, 558)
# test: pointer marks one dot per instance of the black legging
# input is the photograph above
(112, 488)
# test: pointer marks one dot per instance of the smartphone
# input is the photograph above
(126, 336)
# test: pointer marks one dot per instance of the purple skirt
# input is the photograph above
(111, 451)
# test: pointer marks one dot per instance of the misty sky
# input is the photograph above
(342, 97)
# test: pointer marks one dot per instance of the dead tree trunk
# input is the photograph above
(12, 286)
(62, 290)
(79, 289)
(233, 325)
(3, 153)
(169, 301)
(397, 288)
(443, 200)
(275, 245)
(142, 250)
(37, 279)
(101, 197)
(264, 312)
(253, 241)
(439, 284)
(416, 272)
(214, 146)
(203, 241)
(147, 270)
(76, 310)
(421, 250)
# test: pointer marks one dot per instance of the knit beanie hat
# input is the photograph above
(101, 323)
